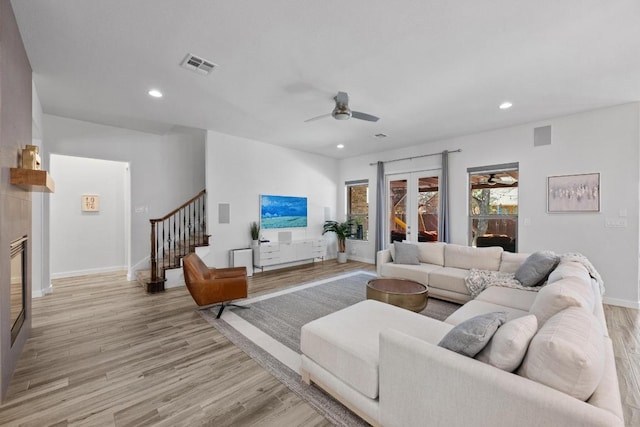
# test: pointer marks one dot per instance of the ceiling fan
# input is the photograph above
(343, 112)
(505, 180)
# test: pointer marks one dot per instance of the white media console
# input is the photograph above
(275, 253)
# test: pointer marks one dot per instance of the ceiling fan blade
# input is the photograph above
(342, 98)
(313, 119)
(364, 116)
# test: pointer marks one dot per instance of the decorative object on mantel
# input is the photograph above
(30, 157)
(32, 180)
(29, 176)
(342, 230)
(254, 228)
(573, 193)
(90, 203)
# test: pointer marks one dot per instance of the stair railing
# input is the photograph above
(176, 234)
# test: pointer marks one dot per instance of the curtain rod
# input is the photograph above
(417, 157)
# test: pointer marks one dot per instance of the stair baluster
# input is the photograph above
(183, 229)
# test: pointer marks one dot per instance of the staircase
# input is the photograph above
(173, 236)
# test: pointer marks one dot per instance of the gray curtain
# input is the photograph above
(380, 213)
(443, 196)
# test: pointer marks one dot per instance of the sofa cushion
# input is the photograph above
(510, 262)
(406, 253)
(418, 273)
(471, 336)
(567, 353)
(468, 257)
(509, 344)
(536, 268)
(449, 278)
(553, 298)
(569, 269)
(431, 252)
(522, 299)
(352, 354)
(474, 308)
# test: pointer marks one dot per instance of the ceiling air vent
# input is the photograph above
(197, 64)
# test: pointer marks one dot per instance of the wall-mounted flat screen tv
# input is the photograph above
(283, 211)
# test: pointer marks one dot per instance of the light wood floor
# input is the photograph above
(104, 353)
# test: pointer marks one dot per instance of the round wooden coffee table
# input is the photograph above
(399, 292)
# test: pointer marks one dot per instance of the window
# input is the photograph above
(358, 208)
(493, 206)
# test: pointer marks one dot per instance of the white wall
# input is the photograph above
(166, 170)
(40, 268)
(88, 242)
(239, 170)
(605, 141)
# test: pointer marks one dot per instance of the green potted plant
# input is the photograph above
(342, 230)
(254, 228)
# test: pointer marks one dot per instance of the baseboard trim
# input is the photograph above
(37, 293)
(621, 302)
(360, 259)
(75, 273)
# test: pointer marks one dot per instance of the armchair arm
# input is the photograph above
(420, 381)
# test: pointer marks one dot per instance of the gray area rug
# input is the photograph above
(283, 316)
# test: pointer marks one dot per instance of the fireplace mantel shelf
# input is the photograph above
(33, 180)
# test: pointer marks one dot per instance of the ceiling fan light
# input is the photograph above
(341, 115)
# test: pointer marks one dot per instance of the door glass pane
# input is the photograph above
(398, 210)
(428, 209)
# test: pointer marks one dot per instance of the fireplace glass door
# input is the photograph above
(18, 283)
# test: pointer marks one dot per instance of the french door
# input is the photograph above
(412, 207)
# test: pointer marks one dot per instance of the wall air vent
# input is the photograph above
(197, 64)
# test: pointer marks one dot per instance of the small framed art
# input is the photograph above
(573, 193)
(90, 203)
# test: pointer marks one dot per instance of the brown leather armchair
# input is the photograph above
(210, 286)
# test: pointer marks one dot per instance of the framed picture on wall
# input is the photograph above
(90, 203)
(573, 193)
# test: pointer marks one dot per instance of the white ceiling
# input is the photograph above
(429, 69)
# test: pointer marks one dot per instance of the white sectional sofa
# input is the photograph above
(443, 267)
(384, 362)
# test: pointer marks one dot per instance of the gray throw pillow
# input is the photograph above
(406, 253)
(536, 268)
(471, 336)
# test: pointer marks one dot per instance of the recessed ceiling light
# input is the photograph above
(155, 93)
(340, 145)
(505, 105)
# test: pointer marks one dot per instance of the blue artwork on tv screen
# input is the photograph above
(283, 211)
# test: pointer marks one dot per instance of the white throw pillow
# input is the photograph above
(567, 354)
(509, 344)
(565, 293)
